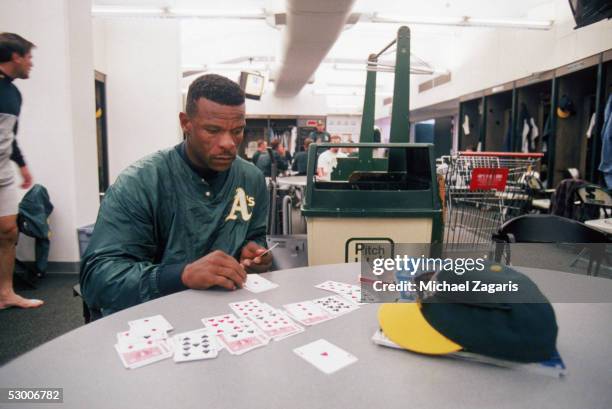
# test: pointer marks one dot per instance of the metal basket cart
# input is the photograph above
(482, 190)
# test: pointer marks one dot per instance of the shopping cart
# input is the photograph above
(482, 190)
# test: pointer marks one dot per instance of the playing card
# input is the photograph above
(156, 321)
(236, 335)
(273, 322)
(245, 308)
(195, 345)
(380, 338)
(276, 324)
(258, 284)
(349, 291)
(336, 305)
(307, 312)
(336, 286)
(135, 355)
(325, 356)
(141, 334)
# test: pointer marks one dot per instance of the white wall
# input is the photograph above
(141, 60)
(479, 58)
(57, 124)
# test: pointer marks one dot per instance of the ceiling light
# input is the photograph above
(126, 11)
(177, 13)
(464, 21)
(417, 70)
(347, 92)
(385, 18)
(230, 14)
(530, 24)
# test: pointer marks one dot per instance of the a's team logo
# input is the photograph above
(242, 204)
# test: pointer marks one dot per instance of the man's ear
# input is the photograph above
(185, 122)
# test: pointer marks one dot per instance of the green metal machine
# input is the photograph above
(387, 197)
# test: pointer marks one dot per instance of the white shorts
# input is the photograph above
(9, 200)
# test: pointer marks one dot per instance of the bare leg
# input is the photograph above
(8, 240)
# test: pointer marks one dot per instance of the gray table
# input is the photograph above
(85, 364)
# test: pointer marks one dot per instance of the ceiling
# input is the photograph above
(226, 45)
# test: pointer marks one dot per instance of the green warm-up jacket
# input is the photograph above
(161, 215)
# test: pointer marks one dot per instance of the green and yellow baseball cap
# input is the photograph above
(511, 325)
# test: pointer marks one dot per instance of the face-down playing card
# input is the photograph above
(135, 355)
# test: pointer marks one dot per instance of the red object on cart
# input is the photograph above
(489, 179)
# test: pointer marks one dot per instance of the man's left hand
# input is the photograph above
(26, 176)
(251, 258)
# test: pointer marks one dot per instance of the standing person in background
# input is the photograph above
(328, 160)
(264, 161)
(605, 166)
(320, 135)
(261, 148)
(284, 154)
(15, 63)
(300, 161)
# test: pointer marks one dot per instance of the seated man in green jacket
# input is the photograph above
(191, 216)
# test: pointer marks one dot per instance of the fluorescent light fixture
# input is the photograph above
(417, 70)
(177, 13)
(347, 92)
(339, 92)
(227, 67)
(465, 21)
(230, 14)
(360, 85)
(127, 11)
(505, 23)
(444, 21)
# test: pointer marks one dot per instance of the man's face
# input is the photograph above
(23, 65)
(214, 133)
(320, 127)
(334, 140)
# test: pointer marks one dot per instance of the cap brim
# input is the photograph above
(562, 114)
(404, 324)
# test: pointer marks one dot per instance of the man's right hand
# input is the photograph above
(216, 268)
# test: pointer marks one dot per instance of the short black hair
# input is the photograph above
(214, 88)
(13, 43)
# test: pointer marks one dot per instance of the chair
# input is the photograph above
(540, 228)
(84, 234)
(594, 199)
